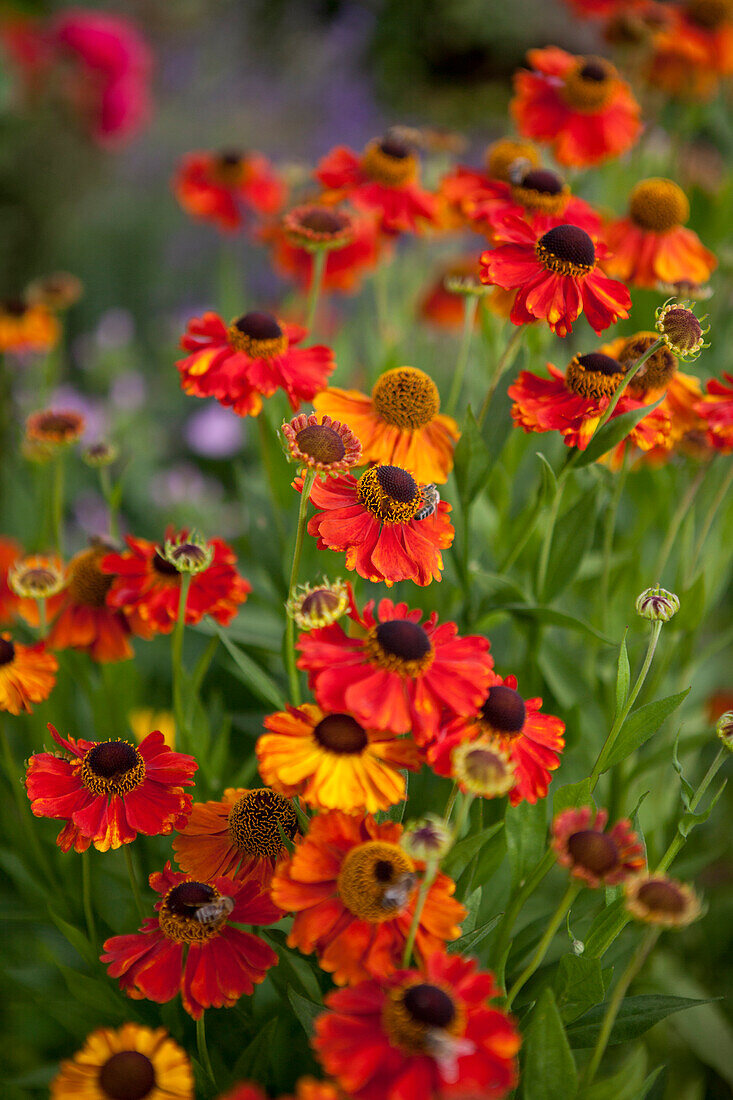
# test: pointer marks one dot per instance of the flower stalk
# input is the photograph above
(555, 921)
(308, 479)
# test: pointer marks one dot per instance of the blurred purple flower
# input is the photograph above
(128, 391)
(214, 432)
(91, 514)
(116, 329)
(183, 484)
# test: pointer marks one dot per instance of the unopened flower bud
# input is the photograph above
(724, 729)
(193, 555)
(682, 331)
(314, 606)
(428, 839)
(466, 284)
(657, 604)
(100, 454)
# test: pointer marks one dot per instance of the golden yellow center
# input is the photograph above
(413, 1012)
(659, 369)
(179, 916)
(502, 154)
(401, 646)
(390, 493)
(112, 768)
(257, 820)
(390, 162)
(88, 585)
(376, 881)
(594, 376)
(406, 397)
(589, 85)
(259, 335)
(658, 205)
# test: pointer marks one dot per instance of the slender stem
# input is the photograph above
(656, 629)
(544, 559)
(41, 604)
(705, 782)
(677, 519)
(504, 362)
(431, 870)
(105, 482)
(134, 883)
(450, 803)
(555, 921)
(318, 268)
(708, 522)
(86, 893)
(624, 383)
(466, 803)
(381, 299)
(609, 533)
(506, 926)
(270, 472)
(203, 1049)
(470, 306)
(637, 961)
(177, 661)
(57, 503)
(289, 623)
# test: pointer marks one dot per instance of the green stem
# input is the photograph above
(608, 536)
(705, 782)
(86, 893)
(318, 268)
(544, 559)
(450, 803)
(134, 883)
(105, 482)
(57, 503)
(708, 523)
(555, 921)
(506, 925)
(41, 604)
(656, 629)
(271, 479)
(203, 1049)
(677, 520)
(637, 961)
(431, 870)
(624, 383)
(470, 306)
(308, 480)
(381, 299)
(466, 803)
(177, 661)
(504, 362)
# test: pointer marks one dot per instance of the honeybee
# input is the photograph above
(213, 910)
(429, 500)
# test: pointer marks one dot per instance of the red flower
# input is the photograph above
(540, 197)
(84, 620)
(377, 522)
(577, 104)
(10, 552)
(651, 245)
(573, 403)
(716, 409)
(426, 1034)
(147, 587)
(344, 267)
(191, 946)
(109, 791)
(555, 275)
(399, 674)
(534, 741)
(219, 187)
(596, 857)
(250, 360)
(384, 179)
(353, 890)
(692, 49)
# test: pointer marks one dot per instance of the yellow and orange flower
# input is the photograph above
(84, 620)
(128, 1061)
(400, 424)
(27, 327)
(716, 409)
(146, 587)
(223, 187)
(462, 185)
(238, 836)
(27, 675)
(345, 266)
(54, 427)
(307, 1088)
(651, 245)
(579, 105)
(693, 49)
(353, 891)
(332, 761)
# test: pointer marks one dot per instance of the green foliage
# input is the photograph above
(548, 1068)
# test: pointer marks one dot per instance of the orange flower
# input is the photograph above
(391, 528)
(147, 587)
(27, 675)
(461, 186)
(131, 1061)
(238, 836)
(693, 49)
(307, 1088)
(716, 409)
(221, 187)
(332, 761)
(251, 359)
(54, 427)
(353, 891)
(25, 327)
(345, 266)
(400, 424)
(651, 245)
(579, 105)
(85, 620)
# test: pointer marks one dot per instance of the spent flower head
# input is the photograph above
(100, 454)
(657, 604)
(190, 555)
(320, 443)
(680, 328)
(483, 768)
(317, 228)
(316, 605)
(658, 899)
(36, 577)
(724, 730)
(428, 839)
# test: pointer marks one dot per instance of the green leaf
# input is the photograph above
(256, 679)
(612, 433)
(578, 985)
(571, 796)
(571, 539)
(548, 486)
(640, 725)
(690, 820)
(548, 1071)
(687, 789)
(95, 994)
(472, 461)
(526, 830)
(636, 1015)
(306, 1011)
(623, 675)
(648, 1083)
(77, 939)
(552, 617)
(498, 423)
(471, 940)
(623, 1085)
(463, 852)
(605, 928)
(254, 1061)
